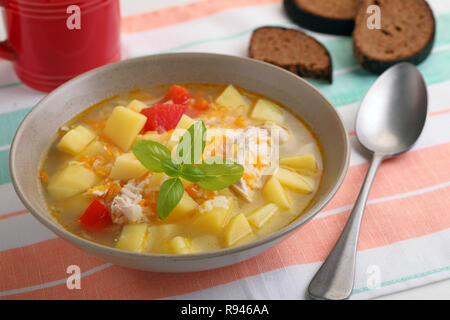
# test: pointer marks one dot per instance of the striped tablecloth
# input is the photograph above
(405, 233)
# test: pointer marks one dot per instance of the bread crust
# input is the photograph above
(375, 65)
(318, 23)
(298, 68)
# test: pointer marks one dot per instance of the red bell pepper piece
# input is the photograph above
(162, 117)
(96, 217)
(178, 95)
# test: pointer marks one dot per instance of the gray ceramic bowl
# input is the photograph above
(32, 139)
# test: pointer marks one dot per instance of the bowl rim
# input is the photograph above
(83, 243)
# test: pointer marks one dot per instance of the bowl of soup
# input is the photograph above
(179, 162)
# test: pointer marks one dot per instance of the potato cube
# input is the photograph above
(261, 215)
(267, 110)
(274, 192)
(184, 209)
(127, 167)
(70, 181)
(132, 237)
(185, 122)
(231, 98)
(95, 149)
(72, 208)
(294, 181)
(136, 105)
(305, 162)
(75, 140)
(180, 245)
(237, 229)
(123, 126)
(164, 231)
(159, 235)
(205, 243)
(213, 214)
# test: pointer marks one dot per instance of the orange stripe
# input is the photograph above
(12, 214)
(431, 164)
(183, 13)
(40, 263)
(437, 113)
(411, 171)
(384, 224)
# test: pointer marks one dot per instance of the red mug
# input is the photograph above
(52, 41)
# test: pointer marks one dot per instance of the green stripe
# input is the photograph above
(340, 48)
(402, 279)
(350, 87)
(9, 121)
(442, 27)
(4, 167)
(9, 85)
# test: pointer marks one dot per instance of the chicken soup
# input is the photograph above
(180, 169)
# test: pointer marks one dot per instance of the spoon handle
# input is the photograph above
(334, 280)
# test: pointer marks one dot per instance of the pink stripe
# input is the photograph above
(184, 13)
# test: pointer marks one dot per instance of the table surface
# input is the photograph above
(438, 290)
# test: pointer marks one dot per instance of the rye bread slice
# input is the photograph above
(292, 50)
(406, 34)
(326, 16)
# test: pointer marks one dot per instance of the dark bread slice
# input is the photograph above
(292, 50)
(326, 16)
(406, 35)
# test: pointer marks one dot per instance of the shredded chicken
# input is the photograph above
(126, 205)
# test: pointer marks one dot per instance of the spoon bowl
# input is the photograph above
(393, 112)
(389, 121)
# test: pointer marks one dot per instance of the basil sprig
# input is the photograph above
(210, 174)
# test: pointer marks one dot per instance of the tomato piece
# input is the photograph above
(162, 117)
(201, 104)
(178, 95)
(96, 217)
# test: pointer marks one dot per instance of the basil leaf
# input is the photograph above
(170, 194)
(219, 176)
(170, 167)
(192, 143)
(191, 173)
(150, 154)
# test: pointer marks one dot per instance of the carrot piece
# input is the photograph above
(43, 176)
(201, 104)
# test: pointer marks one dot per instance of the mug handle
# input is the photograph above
(6, 50)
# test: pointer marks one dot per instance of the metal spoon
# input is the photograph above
(389, 121)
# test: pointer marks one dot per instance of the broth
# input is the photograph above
(88, 162)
